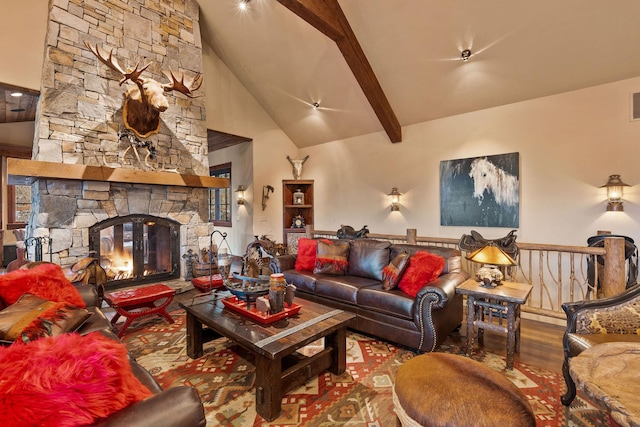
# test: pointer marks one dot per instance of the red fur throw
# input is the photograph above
(64, 381)
(306, 257)
(46, 281)
(424, 267)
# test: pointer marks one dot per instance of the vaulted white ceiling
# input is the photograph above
(521, 50)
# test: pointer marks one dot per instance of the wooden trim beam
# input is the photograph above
(327, 17)
(15, 151)
(24, 172)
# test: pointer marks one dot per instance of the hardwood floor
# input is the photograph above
(540, 343)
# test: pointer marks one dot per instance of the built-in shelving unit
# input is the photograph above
(291, 209)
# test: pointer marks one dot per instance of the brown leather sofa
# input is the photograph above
(421, 323)
(590, 323)
(175, 407)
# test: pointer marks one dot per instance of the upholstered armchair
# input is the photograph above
(589, 323)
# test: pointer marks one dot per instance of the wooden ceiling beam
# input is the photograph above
(327, 17)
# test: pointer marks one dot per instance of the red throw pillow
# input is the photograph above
(424, 267)
(45, 281)
(66, 380)
(306, 257)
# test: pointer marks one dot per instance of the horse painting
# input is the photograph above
(489, 178)
(480, 191)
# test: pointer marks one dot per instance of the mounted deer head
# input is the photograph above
(144, 102)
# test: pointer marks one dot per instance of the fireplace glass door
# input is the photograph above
(137, 249)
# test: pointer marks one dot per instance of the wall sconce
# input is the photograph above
(395, 199)
(614, 193)
(240, 195)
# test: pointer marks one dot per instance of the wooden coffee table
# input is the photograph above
(279, 368)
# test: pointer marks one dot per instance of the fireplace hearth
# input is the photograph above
(136, 249)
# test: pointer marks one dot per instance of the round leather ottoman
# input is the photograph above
(439, 389)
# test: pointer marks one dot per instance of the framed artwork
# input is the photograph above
(481, 191)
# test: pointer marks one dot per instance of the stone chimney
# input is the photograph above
(79, 120)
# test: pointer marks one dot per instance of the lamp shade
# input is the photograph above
(491, 254)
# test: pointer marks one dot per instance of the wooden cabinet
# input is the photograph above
(297, 206)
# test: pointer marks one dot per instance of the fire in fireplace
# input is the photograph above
(136, 249)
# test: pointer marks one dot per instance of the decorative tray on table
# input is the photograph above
(240, 306)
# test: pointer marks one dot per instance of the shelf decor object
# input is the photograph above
(297, 207)
(298, 197)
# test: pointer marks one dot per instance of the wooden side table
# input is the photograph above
(488, 308)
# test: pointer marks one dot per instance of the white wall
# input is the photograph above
(232, 109)
(17, 133)
(569, 144)
(22, 35)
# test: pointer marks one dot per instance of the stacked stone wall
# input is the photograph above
(79, 120)
(80, 107)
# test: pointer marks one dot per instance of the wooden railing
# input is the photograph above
(557, 273)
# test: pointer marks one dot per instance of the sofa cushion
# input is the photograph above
(393, 272)
(303, 280)
(66, 380)
(424, 267)
(32, 317)
(46, 280)
(368, 257)
(342, 288)
(394, 302)
(306, 257)
(332, 257)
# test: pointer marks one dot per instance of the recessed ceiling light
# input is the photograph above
(16, 94)
(466, 54)
(243, 4)
(316, 105)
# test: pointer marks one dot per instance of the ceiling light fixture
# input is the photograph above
(466, 54)
(16, 94)
(316, 105)
(243, 4)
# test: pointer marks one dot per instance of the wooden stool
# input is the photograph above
(439, 389)
(140, 302)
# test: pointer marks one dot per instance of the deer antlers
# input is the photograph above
(143, 105)
(134, 75)
(180, 86)
(111, 62)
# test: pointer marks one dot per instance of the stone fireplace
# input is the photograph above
(136, 248)
(86, 171)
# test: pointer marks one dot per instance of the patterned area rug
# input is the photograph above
(361, 396)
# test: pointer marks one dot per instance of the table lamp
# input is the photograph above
(491, 256)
